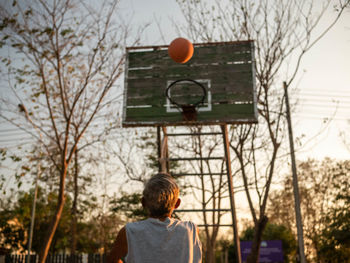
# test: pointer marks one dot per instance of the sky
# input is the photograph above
(323, 84)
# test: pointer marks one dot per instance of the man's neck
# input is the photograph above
(162, 218)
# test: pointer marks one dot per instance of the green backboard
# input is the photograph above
(224, 70)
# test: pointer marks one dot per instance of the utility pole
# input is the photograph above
(295, 181)
(32, 219)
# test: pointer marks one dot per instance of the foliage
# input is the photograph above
(335, 236)
(94, 233)
(18, 216)
(324, 196)
(7, 158)
(98, 234)
(129, 205)
(12, 234)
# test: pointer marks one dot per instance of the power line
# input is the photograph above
(323, 91)
(321, 118)
(328, 104)
(345, 95)
(325, 100)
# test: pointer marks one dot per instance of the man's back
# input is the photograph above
(170, 241)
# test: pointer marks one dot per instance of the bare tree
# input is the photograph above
(344, 137)
(64, 57)
(283, 32)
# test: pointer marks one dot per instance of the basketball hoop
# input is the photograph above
(189, 111)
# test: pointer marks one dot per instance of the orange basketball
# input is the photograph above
(180, 50)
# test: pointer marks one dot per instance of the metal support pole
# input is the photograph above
(232, 200)
(32, 219)
(163, 151)
(295, 181)
(159, 149)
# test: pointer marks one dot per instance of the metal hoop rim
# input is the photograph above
(181, 105)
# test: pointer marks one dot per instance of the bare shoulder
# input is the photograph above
(122, 233)
(119, 248)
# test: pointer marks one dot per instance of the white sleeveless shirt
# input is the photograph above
(171, 241)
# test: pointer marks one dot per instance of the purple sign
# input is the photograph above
(270, 251)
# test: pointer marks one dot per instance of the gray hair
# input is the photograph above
(160, 194)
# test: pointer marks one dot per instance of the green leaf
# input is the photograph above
(28, 12)
(15, 158)
(66, 31)
(48, 31)
(26, 168)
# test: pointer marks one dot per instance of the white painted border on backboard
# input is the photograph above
(172, 108)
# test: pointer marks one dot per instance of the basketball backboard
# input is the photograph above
(220, 73)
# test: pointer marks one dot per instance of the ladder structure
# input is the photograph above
(164, 166)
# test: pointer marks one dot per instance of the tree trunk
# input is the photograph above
(73, 244)
(51, 230)
(209, 253)
(44, 250)
(258, 231)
